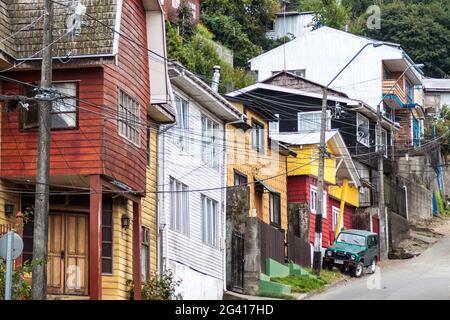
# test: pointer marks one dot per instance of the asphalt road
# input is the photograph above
(424, 277)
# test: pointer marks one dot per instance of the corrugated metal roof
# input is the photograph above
(95, 38)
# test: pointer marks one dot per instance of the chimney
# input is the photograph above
(215, 79)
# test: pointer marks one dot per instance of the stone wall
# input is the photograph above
(298, 217)
(398, 229)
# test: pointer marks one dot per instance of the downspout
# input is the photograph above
(406, 201)
(224, 206)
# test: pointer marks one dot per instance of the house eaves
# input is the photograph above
(202, 93)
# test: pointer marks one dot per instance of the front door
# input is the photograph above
(67, 268)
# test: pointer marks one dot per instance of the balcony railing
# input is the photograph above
(397, 90)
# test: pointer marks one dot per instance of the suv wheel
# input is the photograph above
(373, 266)
(358, 270)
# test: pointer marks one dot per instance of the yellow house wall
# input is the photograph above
(352, 197)
(241, 157)
(307, 163)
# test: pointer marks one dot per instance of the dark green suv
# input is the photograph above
(353, 250)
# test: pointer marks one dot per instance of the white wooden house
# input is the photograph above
(192, 181)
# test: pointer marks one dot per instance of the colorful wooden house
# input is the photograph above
(257, 218)
(102, 219)
(341, 190)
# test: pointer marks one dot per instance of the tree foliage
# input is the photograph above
(185, 20)
(330, 13)
(199, 55)
(422, 28)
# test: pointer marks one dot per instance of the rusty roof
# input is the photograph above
(96, 37)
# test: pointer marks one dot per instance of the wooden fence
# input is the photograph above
(272, 244)
(299, 251)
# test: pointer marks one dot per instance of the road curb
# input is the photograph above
(308, 295)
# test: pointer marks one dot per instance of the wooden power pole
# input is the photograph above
(40, 242)
(381, 206)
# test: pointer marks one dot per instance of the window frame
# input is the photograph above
(184, 200)
(22, 128)
(121, 92)
(358, 120)
(210, 225)
(273, 222)
(213, 148)
(145, 229)
(111, 228)
(299, 120)
(180, 138)
(335, 210)
(313, 190)
(384, 133)
(259, 147)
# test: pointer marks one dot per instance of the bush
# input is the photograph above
(158, 287)
(21, 288)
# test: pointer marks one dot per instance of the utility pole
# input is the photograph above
(317, 259)
(40, 240)
(381, 207)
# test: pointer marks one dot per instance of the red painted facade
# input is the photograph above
(95, 146)
(299, 191)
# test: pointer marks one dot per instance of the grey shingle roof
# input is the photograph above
(95, 39)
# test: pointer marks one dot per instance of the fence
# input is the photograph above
(298, 250)
(272, 244)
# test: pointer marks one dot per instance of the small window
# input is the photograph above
(270, 26)
(181, 128)
(274, 126)
(129, 118)
(313, 200)
(310, 121)
(179, 206)
(210, 142)
(362, 130)
(335, 212)
(240, 179)
(107, 235)
(386, 74)
(209, 221)
(64, 111)
(275, 209)
(145, 253)
(258, 137)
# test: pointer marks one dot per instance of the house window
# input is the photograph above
(209, 221)
(64, 111)
(107, 235)
(129, 118)
(181, 127)
(386, 74)
(313, 199)
(310, 121)
(335, 212)
(409, 92)
(145, 253)
(179, 206)
(383, 144)
(274, 126)
(258, 137)
(210, 148)
(240, 179)
(362, 130)
(275, 209)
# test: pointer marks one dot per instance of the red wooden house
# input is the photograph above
(340, 195)
(114, 80)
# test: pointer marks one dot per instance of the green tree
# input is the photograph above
(185, 20)
(331, 13)
(422, 29)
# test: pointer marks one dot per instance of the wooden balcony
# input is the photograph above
(391, 87)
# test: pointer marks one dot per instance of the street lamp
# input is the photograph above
(381, 212)
(317, 260)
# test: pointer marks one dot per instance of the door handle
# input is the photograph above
(63, 254)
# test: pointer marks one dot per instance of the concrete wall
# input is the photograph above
(298, 215)
(419, 202)
(398, 229)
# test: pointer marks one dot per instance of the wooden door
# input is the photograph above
(68, 254)
(55, 265)
(76, 254)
